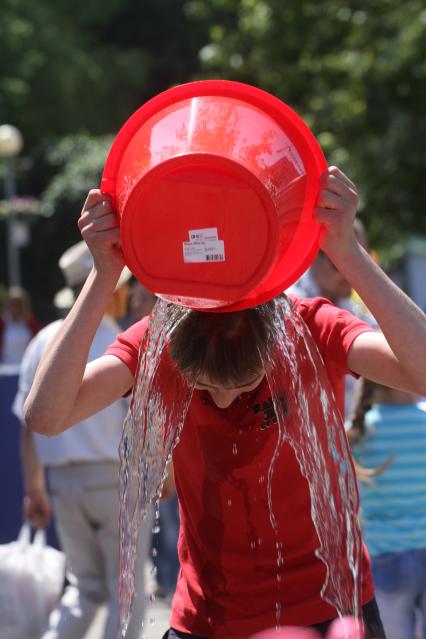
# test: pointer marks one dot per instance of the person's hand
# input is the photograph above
(37, 508)
(99, 228)
(345, 628)
(335, 211)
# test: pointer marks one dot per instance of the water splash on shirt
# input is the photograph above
(309, 420)
(160, 401)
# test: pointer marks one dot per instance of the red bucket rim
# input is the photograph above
(306, 143)
(286, 118)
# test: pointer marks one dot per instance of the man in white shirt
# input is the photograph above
(83, 472)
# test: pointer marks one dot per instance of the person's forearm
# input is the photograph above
(32, 469)
(400, 319)
(59, 375)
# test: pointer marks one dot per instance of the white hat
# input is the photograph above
(76, 264)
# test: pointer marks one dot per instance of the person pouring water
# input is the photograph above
(225, 589)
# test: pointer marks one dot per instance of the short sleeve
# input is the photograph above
(332, 328)
(27, 372)
(126, 345)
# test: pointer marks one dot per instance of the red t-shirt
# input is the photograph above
(228, 585)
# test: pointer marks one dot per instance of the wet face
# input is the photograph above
(223, 396)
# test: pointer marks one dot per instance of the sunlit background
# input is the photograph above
(72, 72)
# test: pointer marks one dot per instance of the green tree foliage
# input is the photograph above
(73, 68)
(76, 162)
(355, 71)
(73, 65)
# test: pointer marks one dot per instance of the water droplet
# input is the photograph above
(229, 502)
(278, 608)
(154, 552)
(261, 479)
(234, 449)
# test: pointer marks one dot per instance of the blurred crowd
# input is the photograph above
(73, 478)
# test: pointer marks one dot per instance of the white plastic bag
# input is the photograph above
(31, 582)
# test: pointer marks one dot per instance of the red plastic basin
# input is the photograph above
(215, 184)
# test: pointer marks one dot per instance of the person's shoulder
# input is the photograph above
(132, 336)
(309, 305)
(356, 307)
(127, 344)
(320, 314)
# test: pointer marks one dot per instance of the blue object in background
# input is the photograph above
(165, 544)
(11, 488)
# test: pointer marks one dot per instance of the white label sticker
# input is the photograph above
(203, 246)
(203, 235)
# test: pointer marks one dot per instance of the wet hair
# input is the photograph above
(227, 348)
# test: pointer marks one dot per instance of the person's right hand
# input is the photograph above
(37, 509)
(345, 628)
(99, 228)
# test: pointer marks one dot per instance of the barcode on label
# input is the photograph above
(218, 257)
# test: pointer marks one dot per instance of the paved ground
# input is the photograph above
(156, 618)
(156, 622)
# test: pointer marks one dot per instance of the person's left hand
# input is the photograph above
(335, 211)
(37, 508)
(344, 628)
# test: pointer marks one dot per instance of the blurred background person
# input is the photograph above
(388, 432)
(140, 303)
(323, 279)
(17, 326)
(83, 470)
(165, 540)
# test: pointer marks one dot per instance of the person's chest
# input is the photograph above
(235, 465)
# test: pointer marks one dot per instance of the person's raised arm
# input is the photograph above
(64, 389)
(397, 357)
